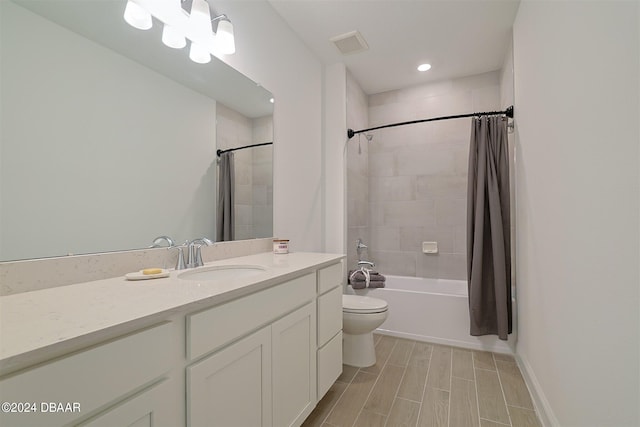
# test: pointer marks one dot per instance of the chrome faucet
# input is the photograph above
(194, 258)
(359, 247)
(160, 239)
(180, 262)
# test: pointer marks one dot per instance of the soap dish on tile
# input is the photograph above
(138, 275)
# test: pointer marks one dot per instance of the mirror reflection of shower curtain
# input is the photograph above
(226, 190)
(489, 229)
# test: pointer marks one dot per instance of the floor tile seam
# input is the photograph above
(496, 422)
(522, 407)
(525, 385)
(462, 378)
(413, 345)
(424, 387)
(450, 388)
(416, 362)
(506, 361)
(475, 387)
(441, 389)
(409, 400)
(488, 370)
(324, 420)
(479, 367)
(504, 398)
(384, 365)
(395, 396)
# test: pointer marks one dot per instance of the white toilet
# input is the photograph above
(360, 316)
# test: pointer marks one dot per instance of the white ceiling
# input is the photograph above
(457, 37)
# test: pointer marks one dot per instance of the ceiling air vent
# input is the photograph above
(349, 43)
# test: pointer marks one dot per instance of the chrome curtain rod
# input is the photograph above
(240, 148)
(508, 112)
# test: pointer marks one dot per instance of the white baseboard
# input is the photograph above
(497, 347)
(540, 401)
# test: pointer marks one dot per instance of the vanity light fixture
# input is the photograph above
(171, 36)
(200, 23)
(226, 41)
(136, 16)
(180, 25)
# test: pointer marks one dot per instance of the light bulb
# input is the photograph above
(224, 37)
(136, 16)
(199, 53)
(200, 19)
(172, 37)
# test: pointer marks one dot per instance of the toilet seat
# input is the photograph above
(358, 304)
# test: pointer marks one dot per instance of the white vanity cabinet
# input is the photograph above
(293, 341)
(153, 407)
(262, 358)
(233, 386)
(266, 378)
(329, 303)
(97, 380)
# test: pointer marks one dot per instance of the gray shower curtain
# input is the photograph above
(226, 188)
(489, 229)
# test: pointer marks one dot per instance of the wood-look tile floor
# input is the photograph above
(422, 384)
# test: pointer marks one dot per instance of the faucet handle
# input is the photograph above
(180, 263)
(199, 262)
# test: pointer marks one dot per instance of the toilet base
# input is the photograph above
(358, 350)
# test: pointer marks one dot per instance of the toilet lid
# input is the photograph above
(362, 304)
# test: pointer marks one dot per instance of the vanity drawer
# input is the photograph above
(329, 315)
(212, 328)
(329, 364)
(89, 379)
(330, 277)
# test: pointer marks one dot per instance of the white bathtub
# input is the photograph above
(433, 310)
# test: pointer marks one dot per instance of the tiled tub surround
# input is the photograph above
(40, 325)
(36, 274)
(357, 169)
(417, 176)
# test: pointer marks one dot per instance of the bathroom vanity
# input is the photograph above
(258, 350)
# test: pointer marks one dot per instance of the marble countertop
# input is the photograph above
(40, 325)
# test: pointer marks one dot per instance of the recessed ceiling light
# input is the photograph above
(424, 67)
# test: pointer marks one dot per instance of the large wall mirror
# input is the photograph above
(109, 138)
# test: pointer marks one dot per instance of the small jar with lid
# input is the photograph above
(280, 246)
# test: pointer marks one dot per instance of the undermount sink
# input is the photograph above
(222, 272)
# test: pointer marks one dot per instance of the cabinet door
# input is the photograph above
(233, 386)
(294, 366)
(151, 408)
